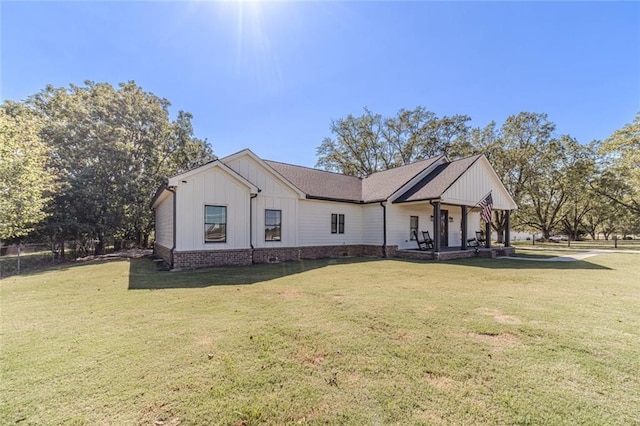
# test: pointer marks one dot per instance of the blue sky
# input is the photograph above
(272, 76)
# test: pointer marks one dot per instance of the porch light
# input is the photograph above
(431, 218)
(450, 218)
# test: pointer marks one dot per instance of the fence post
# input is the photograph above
(615, 241)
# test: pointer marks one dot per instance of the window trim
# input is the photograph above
(279, 225)
(337, 223)
(214, 223)
(412, 236)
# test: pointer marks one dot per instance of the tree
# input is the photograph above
(516, 152)
(370, 143)
(563, 169)
(111, 148)
(24, 178)
(622, 168)
(580, 167)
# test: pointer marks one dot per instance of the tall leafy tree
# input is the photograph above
(24, 178)
(111, 148)
(365, 144)
(579, 170)
(622, 167)
(516, 151)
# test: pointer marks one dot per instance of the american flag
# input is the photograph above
(487, 206)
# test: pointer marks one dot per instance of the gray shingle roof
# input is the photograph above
(379, 186)
(438, 181)
(319, 183)
(335, 186)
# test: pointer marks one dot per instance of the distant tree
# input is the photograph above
(24, 178)
(517, 152)
(622, 166)
(580, 169)
(369, 143)
(562, 170)
(111, 148)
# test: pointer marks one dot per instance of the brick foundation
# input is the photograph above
(211, 258)
(208, 258)
(162, 252)
(321, 252)
(275, 255)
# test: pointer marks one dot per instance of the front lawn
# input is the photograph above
(352, 341)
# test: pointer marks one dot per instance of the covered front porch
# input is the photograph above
(451, 253)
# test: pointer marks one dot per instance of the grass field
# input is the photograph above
(352, 341)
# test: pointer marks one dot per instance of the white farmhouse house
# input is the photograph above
(241, 209)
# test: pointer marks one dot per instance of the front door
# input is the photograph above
(444, 228)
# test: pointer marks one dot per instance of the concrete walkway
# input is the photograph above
(571, 257)
(565, 258)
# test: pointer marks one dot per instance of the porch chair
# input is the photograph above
(477, 241)
(422, 244)
(427, 239)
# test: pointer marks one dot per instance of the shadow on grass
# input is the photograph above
(526, 264)
(38, 267)
(143, 274)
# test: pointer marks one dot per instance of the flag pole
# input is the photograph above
(485, 196)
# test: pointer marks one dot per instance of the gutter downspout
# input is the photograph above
(251, 220)
(172, 189)
(384, 228)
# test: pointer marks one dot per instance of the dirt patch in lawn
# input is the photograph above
(499, 316)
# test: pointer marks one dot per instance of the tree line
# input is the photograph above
(559, 184)
(80, 164)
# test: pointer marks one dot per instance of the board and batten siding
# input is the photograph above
(475, 184)
(398, 221)
(214, 187)
(164, 221)
(372, 224)
(315, 223)
(274, 195)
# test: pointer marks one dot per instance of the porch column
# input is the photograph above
(507, 229)
(487, 235)
(436, 226)
(464, 228)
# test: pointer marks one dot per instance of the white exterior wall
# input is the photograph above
(372, 224)
(214, 187)
(398, 221)
(274, 195)
(164, 221)
(476, 183)
(315, 223)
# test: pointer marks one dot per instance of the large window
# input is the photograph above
(337, 223)
(215, 224)
(413, 227)
(272, 225)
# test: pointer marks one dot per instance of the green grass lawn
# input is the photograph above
(352, 341)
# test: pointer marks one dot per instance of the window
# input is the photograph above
(337, 223)
(272, 225)
(413, 227)
(215, 224)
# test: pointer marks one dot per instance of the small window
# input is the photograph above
(413, 227)
(337, 223)
(272, 225)
(215, 224)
